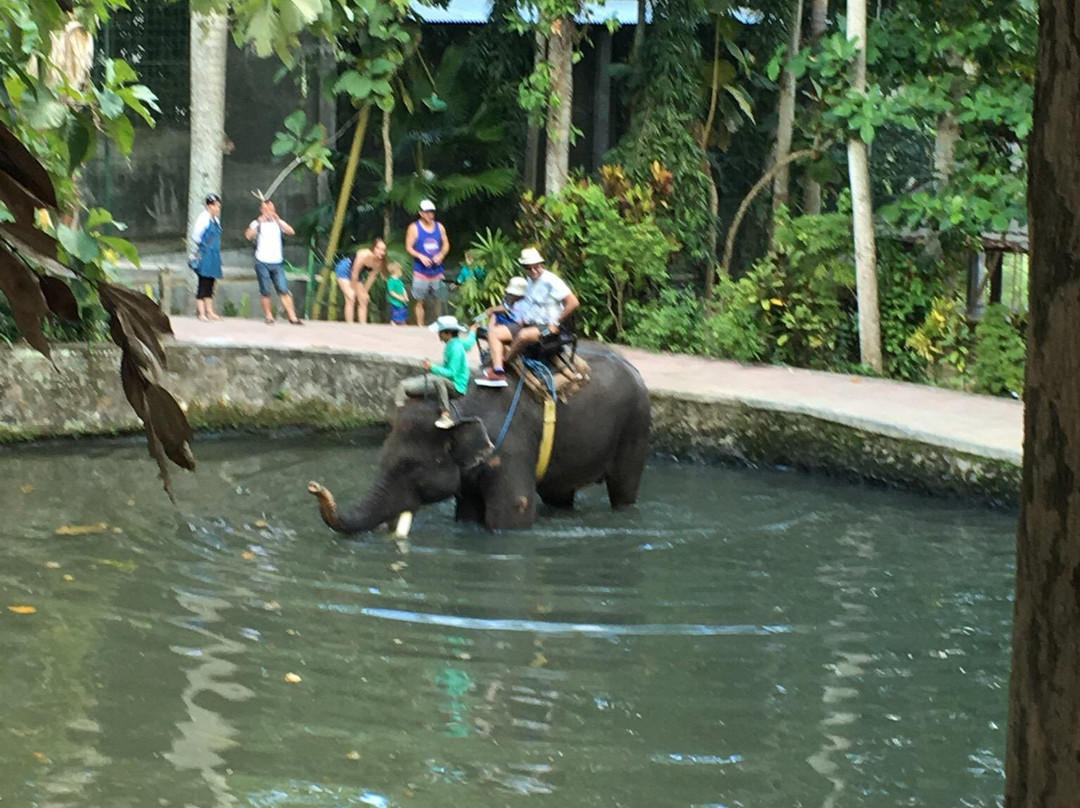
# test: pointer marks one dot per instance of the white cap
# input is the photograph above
(530, 256)
(427, 204)
(447, 322)
(517, 287)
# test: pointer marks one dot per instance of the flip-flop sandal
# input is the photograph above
(269, 320)
(296, 322)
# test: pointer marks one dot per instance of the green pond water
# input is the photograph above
(739, 639)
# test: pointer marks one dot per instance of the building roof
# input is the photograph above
(478, 12)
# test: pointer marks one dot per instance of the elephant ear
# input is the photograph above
(469, 443)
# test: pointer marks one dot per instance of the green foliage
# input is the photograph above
(944, 342)
(1000, 351)
(671, 322)
(497, 255)
(665, 113)
(603, 239)
(307, 144)
(736, 330)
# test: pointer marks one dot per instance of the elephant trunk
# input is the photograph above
(372, 511)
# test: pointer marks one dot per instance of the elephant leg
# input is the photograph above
(470, 507)
(558, 498)
(624, 476)
(510, 502)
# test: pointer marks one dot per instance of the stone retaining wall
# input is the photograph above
(237, 386)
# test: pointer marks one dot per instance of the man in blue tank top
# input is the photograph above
(426, 242)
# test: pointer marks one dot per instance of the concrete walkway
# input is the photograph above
(979, 425)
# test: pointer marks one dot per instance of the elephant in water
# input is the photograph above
(601, 436)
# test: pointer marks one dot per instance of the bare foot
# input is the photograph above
(203, 317)
(213, 317)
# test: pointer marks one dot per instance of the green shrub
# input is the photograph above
(736, 330)
(673, 323)
(603, 240)
(943, 341)
(1000, 351)
(497, 255)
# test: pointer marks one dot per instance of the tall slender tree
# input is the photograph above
(862, 213)
(1042, 765)
(561, 103)
(785, 126)
(819, 16)
(209, 41)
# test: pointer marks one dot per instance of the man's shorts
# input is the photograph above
(271, 274)
(424, 288)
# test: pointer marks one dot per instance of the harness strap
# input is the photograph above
(509, 415)
(547, 439)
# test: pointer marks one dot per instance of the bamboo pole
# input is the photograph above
(326, 278)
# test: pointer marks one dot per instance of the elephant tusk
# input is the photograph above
(404, 523)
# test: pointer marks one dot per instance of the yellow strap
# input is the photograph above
(547, 439)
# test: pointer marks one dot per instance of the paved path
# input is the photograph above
(980, 425)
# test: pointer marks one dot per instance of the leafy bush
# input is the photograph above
(672, 323)
(603, 240)
(944, 342)
(1000, 351)
(736, 330)
(497, 255)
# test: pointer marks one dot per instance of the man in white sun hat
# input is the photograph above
(427, 243)
(448, 380)
(546, 308)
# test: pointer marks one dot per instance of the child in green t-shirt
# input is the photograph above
(395, 292)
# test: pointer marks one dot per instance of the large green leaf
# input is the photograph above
(354, 85)
(80, 141)
(78, 243)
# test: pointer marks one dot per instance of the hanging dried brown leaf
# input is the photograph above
(167, 428)
(135, 324)
(23, 205)
(148, 310)
(20, 286)
(171, 426)
(60, 299)
(18, 163)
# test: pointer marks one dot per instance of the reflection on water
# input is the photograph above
(739, 639)
(205, 733)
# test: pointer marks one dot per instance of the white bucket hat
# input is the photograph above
(517, 287)
(447, 322)
(530, 256)
(427, 204)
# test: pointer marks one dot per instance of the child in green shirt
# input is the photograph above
(448, 380)
(395, 292)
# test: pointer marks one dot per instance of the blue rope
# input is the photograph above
(509, 414)
(543, 373)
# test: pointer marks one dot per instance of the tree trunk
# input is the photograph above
(785, 127)
(602, 109)
(862, 209)
(819, 16)
(561, 105)
(209, 38)
(388, 172)
(532, 138)
(327, 115)
(639, 32)
(1042, 761)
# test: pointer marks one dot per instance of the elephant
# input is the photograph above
(601, 435)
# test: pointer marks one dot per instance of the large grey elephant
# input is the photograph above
(601, 436)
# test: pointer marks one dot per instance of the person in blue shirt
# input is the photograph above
(448, 380)
(206, 256)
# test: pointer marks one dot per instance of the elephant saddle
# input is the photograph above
(567, 374)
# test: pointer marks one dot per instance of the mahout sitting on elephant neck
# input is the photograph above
(601, 437)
